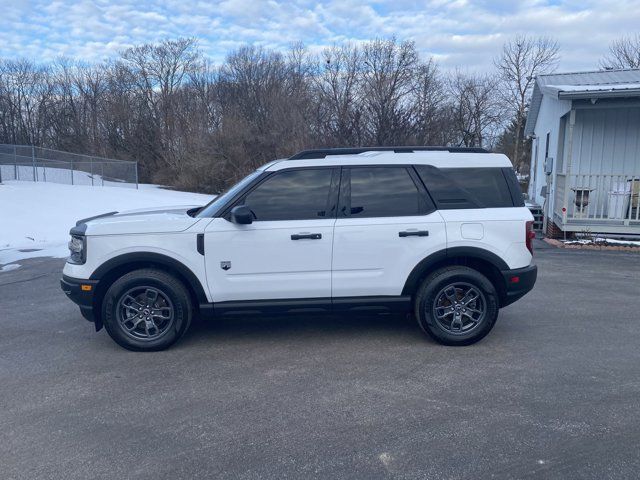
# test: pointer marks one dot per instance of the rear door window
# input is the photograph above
(382, 192)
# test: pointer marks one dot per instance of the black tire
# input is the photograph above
(168, 314)
(440, 300)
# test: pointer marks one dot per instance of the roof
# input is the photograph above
(440, 159)
(581, 85)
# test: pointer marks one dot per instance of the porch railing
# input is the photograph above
(598, 198)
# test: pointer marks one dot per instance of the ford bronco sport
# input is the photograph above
(440, 232)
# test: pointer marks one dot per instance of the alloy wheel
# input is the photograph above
(145, 313)
(459, 308)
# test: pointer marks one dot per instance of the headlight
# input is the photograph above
(77, 250)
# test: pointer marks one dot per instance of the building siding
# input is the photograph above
(551, 109)
(606, 141)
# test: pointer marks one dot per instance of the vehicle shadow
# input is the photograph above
(314, 326)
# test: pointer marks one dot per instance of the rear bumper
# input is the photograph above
(518, 283)
(83, 297)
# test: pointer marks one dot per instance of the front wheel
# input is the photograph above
(147, 310)
(456, 305)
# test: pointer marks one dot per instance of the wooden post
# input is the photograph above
(567, 178)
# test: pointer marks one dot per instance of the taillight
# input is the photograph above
(529, 235)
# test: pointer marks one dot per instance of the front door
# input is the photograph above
(286, 252)
(386, 225)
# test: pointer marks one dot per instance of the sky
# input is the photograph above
(464, 34)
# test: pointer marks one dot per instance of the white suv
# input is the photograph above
(440, 232)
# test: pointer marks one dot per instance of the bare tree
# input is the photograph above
(27, 96)
(159, 71)
(623, 53)
(199, 126)
(521, 60)
(266, 104)
(389, 71)
(476, 109)
(429, 98)
(337, 86)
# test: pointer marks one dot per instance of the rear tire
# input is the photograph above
(456, 305)
(147, 310)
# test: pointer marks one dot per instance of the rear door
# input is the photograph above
(286, 252)
(386, 224)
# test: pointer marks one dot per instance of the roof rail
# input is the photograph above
(324, 152)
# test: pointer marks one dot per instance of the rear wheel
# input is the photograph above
(147, 310)
(456, 305)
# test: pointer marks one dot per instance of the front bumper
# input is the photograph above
(518, 283)
(81, 292)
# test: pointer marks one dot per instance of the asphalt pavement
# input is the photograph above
(552, 392)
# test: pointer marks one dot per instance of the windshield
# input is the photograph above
(212, 207)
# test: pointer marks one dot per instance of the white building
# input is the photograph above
(585, 161)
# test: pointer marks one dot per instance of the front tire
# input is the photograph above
(147, 310)
(456, 306)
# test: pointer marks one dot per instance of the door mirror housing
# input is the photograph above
(241, 214)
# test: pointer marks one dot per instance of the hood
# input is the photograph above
(140, 221)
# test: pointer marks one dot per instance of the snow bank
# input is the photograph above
(603, 241)
(35, 218)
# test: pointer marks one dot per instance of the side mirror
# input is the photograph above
(241, 214)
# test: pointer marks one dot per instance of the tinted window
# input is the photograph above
(514, 186)
(212, 207)
(384, 192)
(292, 195)
(466, 187)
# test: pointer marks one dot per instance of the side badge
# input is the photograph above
(225, 265)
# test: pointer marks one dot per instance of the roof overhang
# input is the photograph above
(628, 93)
(534, 109)
(593, 85)
(575, 92)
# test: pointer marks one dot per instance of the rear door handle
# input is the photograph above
(309, 236)
(414, 233)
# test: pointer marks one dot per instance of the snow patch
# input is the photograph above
(8, 268)
(35, 217)
(603, 241)
(54, 250)
(385, 458)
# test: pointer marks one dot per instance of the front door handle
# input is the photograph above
(414, 233)
(309, 236)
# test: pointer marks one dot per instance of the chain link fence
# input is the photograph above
(36, 164)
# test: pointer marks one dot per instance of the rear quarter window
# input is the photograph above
(456, 188)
